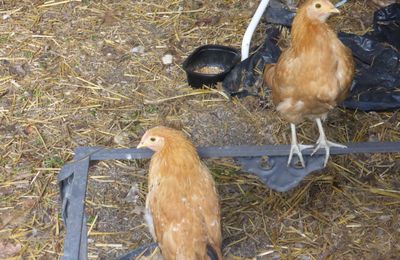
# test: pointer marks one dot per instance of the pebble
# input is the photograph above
(167, 59)
(138, 49)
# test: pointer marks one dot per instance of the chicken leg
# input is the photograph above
(324, 143)
(295, 147)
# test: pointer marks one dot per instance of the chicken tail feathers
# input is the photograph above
(212, 253)
(269, 73)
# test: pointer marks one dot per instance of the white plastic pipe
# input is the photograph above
(339, 4)
(252, 27)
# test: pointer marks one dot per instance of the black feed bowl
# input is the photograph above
(223, 57)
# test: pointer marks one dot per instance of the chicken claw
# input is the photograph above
(324, 143)
(296, 148)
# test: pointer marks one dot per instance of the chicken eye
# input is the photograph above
(152, 139)
(318, 5)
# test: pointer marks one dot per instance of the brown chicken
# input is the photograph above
(313, 75)
(182, 206)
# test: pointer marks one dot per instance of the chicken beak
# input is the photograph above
(141, 145)
(334, 10)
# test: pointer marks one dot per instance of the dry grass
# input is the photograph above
(91, 73)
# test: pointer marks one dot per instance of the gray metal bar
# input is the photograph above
(99, 153)
(75, 243)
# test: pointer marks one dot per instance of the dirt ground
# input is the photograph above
(90, 73)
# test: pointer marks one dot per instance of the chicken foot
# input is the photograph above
(295, 147)
(323, 142)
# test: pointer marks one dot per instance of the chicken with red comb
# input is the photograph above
(182, 204)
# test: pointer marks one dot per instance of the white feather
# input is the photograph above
(150, 223)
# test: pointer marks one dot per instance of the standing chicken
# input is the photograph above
(313, 75)
(182, 206)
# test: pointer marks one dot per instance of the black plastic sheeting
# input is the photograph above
(246, 77)
(387, 25)
(376, 85)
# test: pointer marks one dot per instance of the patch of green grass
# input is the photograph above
(136, 128)
(28, 54)
(43, 65)
(93, 111)
(3, 39)
(91, 219)
(136, 114)
(220, 172)
(152, 109)
(53, 162)
(38, 93)
(38, 142)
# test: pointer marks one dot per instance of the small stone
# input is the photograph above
(167, 59)
(141, 172)
(380, 232)
(29, 130)
(138, 49)
(5, 191)
(121, 139)
(109, 18)
(17, 70)
(133, 194)
(8, 249)
(385, 218)
(138, 210)
(34, 232)
(276, 256)
(373, 138)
